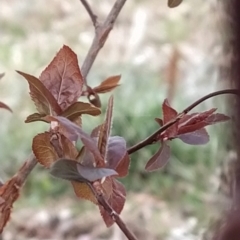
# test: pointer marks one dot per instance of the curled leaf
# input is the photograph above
(94, 99)
(108, 85)
(78, 108)
(159, 159)
(43, 99)
(35, 117)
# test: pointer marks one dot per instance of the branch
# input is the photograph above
(98, 42)
(151, 139)
(90, 13)
(101, 34)
(116, 218)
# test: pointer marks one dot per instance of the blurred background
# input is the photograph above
(160, 53)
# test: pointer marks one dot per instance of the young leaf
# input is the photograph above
(192, 128)
(105, 129)
(197, 137)
(216, 118)
(35, 117)
(108, 85)
(191, 119)
(159, 159)
(43, 99)
(78, 108)
(117, 156)
(63, 78)
(74, 132)
(168, 114)
(3, 105)
(196, 121)
(43, 150)
(47, 153)
(116, 201)
(72, 170)
(174, 3)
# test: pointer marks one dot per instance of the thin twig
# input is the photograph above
(151, 139)
(90, 13)
(116, 218)
(101, 35)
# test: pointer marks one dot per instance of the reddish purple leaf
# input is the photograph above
(117, 156)
(108, 85)
(194, 118)
(63, 78)
(217, 117)
(159, 159)
(197, 137)
(169, 114)
(41, 96)
(196, 121)
(78, 108)
(116, 201)
(192, 128)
